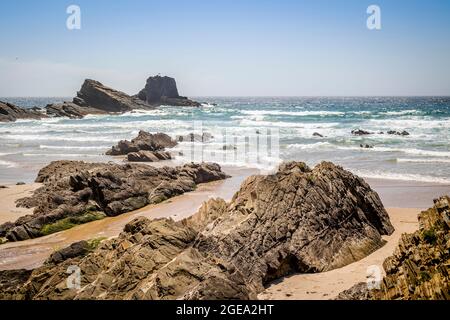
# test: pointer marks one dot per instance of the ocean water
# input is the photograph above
(424, 155)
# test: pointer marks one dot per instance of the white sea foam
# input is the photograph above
(402, 150)
(400, 113)
(422, 123)
(401, 176)
(421, 160)
(307, 146)
(95, 138)
(292, 113)
(61, 155)
(281, 124)
(43, 146)
(7, 164)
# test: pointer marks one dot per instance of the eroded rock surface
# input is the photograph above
(419, 269)
(143, 142)
(163, 91)
(70, 110)
(299, 219)
(76, 189)
(148, 156)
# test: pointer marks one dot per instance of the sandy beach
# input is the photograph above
(327, 285)
(396, 195)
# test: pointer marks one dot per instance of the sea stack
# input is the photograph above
(163, 90)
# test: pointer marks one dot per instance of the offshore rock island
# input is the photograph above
(96, 98)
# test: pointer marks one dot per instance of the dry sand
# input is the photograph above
(396, 195)
(32, 253)
(8, 197)
(327, 285)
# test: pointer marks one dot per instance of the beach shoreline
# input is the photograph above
(396, 196)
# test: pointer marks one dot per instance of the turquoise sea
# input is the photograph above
(423, 155)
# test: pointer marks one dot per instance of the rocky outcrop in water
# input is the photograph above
(76, 192)
(398, 133)
(419, 269)
(96, 98)
(297, 220)
(163, 91)
(195, 137)
(143, 142)
(70, 110)
(10, 113)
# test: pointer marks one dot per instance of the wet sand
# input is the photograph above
(327, 285)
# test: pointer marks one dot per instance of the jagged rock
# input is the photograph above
(360, 132)
(76, 249)
(299, 219)
(143, 142)
(163, 91)
(75, 188)
(10, 283)
(11, 113)
(148, 156)
(316, 134)
(93, 94)
(195, 137)
(420, 265)
(398, 133)
(70, 110)
(419, 269)
(359, 291)
(229, 147)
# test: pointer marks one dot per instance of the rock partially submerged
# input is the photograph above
(82, 192)
(71, 110)
(10, 113)
(143, 142)
(96, 98)
(398, 133)
(360, 132)
(195, 137)
(299, 219)
(163, 91)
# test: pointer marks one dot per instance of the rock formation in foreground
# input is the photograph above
(163, 91)
(297, 220)
(419, 269)
(75, 192)
(10, 113)
(143, 142)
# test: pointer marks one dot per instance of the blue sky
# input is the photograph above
(227, 48)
